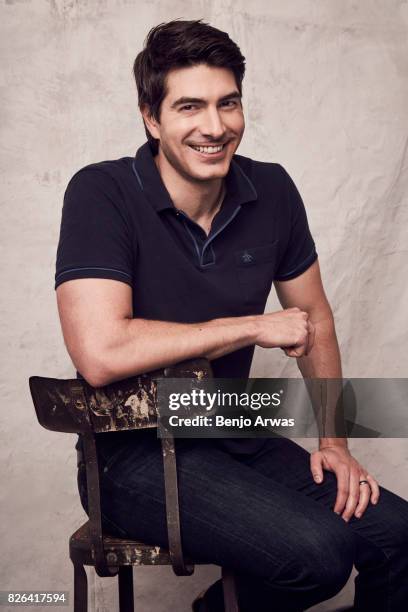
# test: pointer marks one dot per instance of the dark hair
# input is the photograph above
(177, 44)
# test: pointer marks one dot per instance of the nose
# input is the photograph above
(212, 125)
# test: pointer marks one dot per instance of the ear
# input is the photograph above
(150, 122)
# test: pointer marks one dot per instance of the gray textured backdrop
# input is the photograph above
(325, 95)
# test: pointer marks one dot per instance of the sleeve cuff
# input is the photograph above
(92, 272)
(299, 269)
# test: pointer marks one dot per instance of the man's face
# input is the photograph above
(201, 121)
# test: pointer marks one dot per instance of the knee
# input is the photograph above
(391, 514)
(331, 560)
(333, 572)
(324, 559)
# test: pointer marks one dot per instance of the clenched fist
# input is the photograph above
(288, 329)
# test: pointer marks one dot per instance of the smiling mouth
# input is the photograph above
(208, 149)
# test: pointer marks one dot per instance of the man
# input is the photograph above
(171, 256)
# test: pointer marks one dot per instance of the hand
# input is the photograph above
(288, 329)
(352, 497)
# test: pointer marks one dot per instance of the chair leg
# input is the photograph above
(230, 591)
(80, 589)
(125, 580)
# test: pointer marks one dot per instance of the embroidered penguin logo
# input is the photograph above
(247, 257)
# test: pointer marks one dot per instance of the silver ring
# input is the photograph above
(364, 482)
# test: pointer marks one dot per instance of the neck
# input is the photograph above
(200, 200)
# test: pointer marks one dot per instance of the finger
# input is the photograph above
(343, 485)
(353, 495)
(294, 351)
(375, 489)
(365, 493)
(316, 466)
(302, 343)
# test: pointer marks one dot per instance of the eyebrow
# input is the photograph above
(188, 100)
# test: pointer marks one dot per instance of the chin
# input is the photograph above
(209, 176)
(211, 172)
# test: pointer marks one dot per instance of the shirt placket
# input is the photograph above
(203, 246)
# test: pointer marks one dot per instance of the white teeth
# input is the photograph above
(208, 149)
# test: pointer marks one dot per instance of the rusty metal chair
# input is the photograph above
(73, 406)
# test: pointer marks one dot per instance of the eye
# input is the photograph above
(188, 107)
(229, 103)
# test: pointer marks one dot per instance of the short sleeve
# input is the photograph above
(298, 249)
(95, 234)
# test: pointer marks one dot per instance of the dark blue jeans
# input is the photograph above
(263, 516)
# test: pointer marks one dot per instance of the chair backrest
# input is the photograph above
(73, 406)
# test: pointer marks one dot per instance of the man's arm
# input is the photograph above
(323, 361)
(106, 344)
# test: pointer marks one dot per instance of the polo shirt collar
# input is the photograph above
(239, 188)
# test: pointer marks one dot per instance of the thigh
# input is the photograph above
(287, 463)
(383, 526)
(231, 514)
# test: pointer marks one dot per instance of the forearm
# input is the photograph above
(324, 362)
(106, 343)
(132, 346)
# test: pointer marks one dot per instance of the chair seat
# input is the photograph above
(119, 551)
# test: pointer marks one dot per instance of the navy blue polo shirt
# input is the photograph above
(119, 222)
